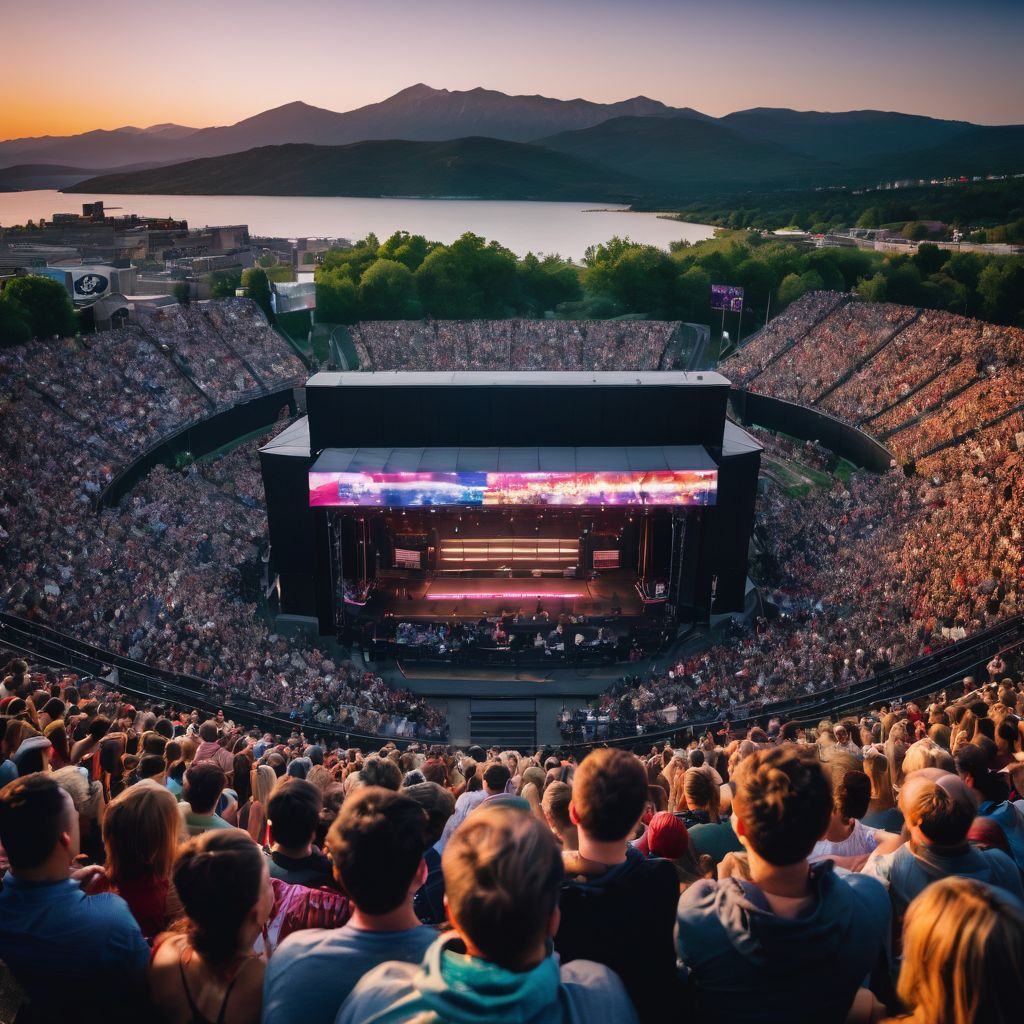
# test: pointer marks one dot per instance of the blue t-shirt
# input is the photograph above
(92, 944)
(312, 972)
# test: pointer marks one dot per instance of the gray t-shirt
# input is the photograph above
(312, 972)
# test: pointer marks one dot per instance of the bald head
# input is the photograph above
(937, 806)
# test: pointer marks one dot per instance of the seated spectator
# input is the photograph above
(293, 812)
(795, 942)
(380, 771)
(376, 845)
(938, 809)
(207, 971)
(882, 810)
(665, 836)
(141, 830)
(618, 907)
(438, 805)
(502, 870)
(69, 951)
(963, 944)
(204, 784)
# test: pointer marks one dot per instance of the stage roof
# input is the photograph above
(517, 378)
(293, 440)
(738, 442)
(512, 460)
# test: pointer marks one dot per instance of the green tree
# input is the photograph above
(15, 326)
(640, 278)
(915, 231)
(872, 217)
(387, 291)
(337, 297)
(872, 289)
(182, 291)
(546, 283)
(224, 283)
(45, 303)
(257, 287)
(1001, 290)
(469, 278)
(929, 258)
(410, 250)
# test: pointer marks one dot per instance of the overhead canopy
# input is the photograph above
(514, 460)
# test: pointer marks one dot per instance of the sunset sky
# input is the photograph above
(104, 64)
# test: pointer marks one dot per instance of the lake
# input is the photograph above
(563, 228)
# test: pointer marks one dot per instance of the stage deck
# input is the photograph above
(455, 597)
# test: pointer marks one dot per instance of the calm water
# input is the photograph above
(564, 228)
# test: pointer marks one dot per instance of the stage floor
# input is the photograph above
(454, 597)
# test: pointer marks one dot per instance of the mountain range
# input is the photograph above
(497, 145)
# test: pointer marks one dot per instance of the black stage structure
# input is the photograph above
(408, 499)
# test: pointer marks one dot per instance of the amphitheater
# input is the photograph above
(880, 581)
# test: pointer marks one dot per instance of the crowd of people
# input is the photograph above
(517, 345)
(861, 870)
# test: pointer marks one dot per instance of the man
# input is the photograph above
(293, 812)
(618, 907)
(938, 810)
(68, 951)
(502, 870)
(990, 791)
(204, 784)
(495, 779)
(795, 943)
(376, 845)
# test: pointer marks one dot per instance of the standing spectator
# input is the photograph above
(204, 784)
(376, 844)
(438, 805)
(796, 941)
(495, 778)
(141, 829)
(47, 922)
(618, 907)
(293, 813)
(939, 809)
(963, 944)
(207, 971)
(502, 870)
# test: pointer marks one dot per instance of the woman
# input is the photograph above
(242, 776)
(962, 951)
(262, 782)
(206, 972)
(882, 810)
(141, 830)
(56, 732)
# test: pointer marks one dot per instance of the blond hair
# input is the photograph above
(962, 951)
(141, 830)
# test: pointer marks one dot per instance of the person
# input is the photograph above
(795, 942)
(708, 834)
(438, 804)
(210, 748)
(502, 870)
(938, 809)
(991, 791)
(204, 783)
(68, 950)
(666, 836)
(618, 906)
(555, 805)
(141, 830)
(963, 944)
(262, 785)
(847, 840)
(495, 778)
(293, 813)
(205, 971)
(882, 810)
(376, 845)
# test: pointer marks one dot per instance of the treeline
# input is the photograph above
(35, 307)
(407, 277)
(996, 207)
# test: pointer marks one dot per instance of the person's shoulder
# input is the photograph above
(699, 898)
(867, 890)
(300, 944)
(377, 990)
(594, 992)
(1004, 869)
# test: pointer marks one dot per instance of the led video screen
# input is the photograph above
(407, 490)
